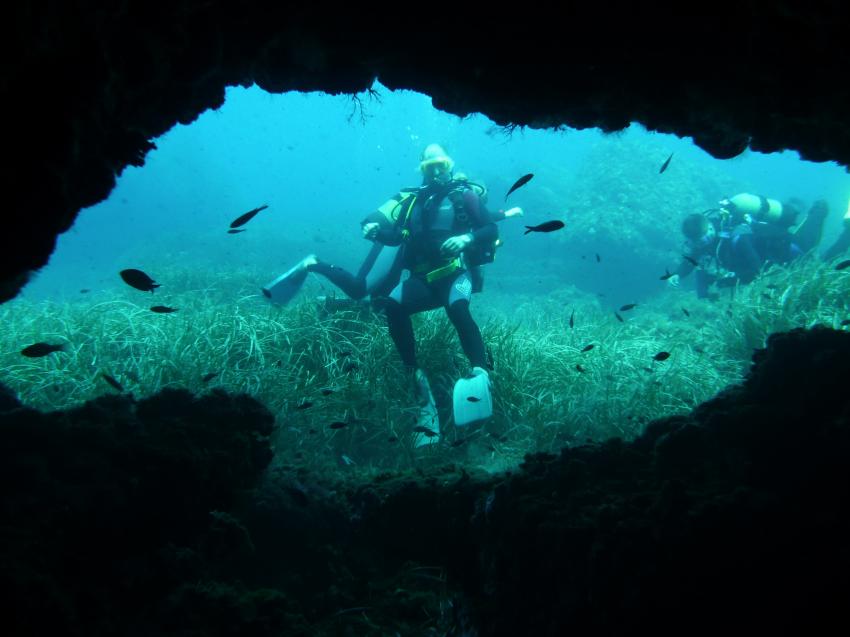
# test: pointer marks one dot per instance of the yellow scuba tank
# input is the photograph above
(395, 206)
(759, 208)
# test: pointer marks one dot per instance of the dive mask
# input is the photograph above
(439, 169)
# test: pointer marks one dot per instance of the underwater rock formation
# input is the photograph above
(87, 87)
(160, 514)
(108, 508)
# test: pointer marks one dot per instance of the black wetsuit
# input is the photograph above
(742, 250)
(355, 286)
(436, 216)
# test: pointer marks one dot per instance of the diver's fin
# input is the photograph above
(471, 398)
(286, 286)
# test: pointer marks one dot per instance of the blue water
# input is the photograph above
(322, 163)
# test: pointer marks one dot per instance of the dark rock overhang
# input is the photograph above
(86, 86)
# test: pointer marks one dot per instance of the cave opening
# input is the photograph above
(321, 163)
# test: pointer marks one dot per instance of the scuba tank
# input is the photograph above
(759, 208)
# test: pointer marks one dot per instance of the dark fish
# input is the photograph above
(235, 231)
(392, 439)
(661, 356)
(37, 350)
(133, 376)
(241, 220)
(843, 264)
(665, 164)
(587, 348)
(138, 279)
(429, 433)
(473, 399)
(699, 350)
(111, 380)
(338, 424)
(572, 319)
(85, 291)
(579, 368)
(312, 431)
(649, 370)
(667, 274)
(845, 322)
(598, 258)
(548, 226)
(349, 367)
(163, 309)
(519, 183)
(209, 376)
(327, 391)
(619, 318)
(690, 260)
(628, 306)
(458, 442)
(304, 405)
(344, 354)
(686, 313)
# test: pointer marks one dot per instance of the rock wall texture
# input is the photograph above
(85, 86)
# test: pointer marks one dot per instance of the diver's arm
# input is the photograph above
(376, 227)
(484, 228)
(389, 236)
(686, 267)
(487, 233)
(501, 215)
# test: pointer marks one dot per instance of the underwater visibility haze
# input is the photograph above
(585, 337)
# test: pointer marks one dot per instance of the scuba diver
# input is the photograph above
(843, 241)
(446, 232)
(731, 243)
(380, 271)
(429, 243)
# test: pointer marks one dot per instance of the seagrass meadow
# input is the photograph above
(319, 362)
(200, 462)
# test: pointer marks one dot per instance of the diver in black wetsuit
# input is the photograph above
(445, 231)
(439, 235)
(381, 270)
(730, 244)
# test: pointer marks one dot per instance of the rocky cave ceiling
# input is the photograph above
(87, 85)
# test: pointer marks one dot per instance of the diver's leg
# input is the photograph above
(352, 286)
(401, 331)
(457, 297)
(468, 332)
(744, 261)
(809, 232)
(408, 297)
(841, 244)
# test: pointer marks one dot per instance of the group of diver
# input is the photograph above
(429, 243)
(731, 243)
